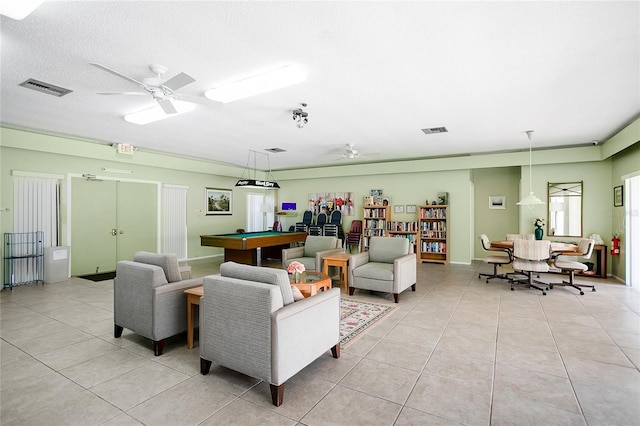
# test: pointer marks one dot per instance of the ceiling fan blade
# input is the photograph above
(178, 81)
(123, 93)
(167, 106)
(114, 72)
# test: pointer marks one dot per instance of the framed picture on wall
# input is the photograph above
(218, 201)
(398, 208)
(497, 201)
(618, 196)
(411, 208)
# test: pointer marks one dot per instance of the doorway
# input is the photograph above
(109, 221)
(632, 233)
(260, 215)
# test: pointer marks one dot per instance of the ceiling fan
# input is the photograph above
(162, 91)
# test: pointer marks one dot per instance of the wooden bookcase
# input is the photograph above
(408, 230)
(433, 243)
(374, 223)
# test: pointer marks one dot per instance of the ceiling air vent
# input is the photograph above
(433, 130)
(43, 87)
(275, 150)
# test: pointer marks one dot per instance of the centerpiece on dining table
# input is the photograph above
(295, 268)
(539, 232)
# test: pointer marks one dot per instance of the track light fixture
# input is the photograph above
(300, 116)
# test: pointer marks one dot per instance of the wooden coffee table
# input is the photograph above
(340, 260)
(311, 282)
(193, 299)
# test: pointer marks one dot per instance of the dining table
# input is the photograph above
(557, 248)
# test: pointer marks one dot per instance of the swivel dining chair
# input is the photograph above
(585, 248)
(529, 257)
(494, 260)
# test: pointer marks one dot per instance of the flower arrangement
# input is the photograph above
(294, 267)
(538, 223)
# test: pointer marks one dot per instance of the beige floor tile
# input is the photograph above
(539, 337)
(412, 417)
(331, 369)
(406, 356)
(100, 369)
(530, 359)
(515, 411)
(595, 351)
(617, 405)
(361, 346)
(463, 401)
(82, 408)
(187, 403)
(512, 383)
(141, 384)
(482, 349)
(122, 420)
(597, 373)
(343, 406)
(390, 382)
(241, 412)
(405, 334)
(76, 353)
(460, 365)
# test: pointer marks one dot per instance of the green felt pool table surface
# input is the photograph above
(242, 247)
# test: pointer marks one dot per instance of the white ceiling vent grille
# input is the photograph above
(434, 130)
(43, 87)
(275, 150)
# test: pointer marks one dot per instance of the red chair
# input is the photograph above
(354, 235)
(277, 226)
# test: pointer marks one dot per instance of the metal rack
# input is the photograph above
(23, 258)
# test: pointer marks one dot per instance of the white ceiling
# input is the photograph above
(378, 72)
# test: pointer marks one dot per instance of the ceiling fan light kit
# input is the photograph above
(530, 200)
(157, 113)
(278, 78)
(300, 116)
(18, 9)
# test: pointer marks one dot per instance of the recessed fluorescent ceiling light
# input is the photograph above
(278, 78)
(156, 113)
(18, 9)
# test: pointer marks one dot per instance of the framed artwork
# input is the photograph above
(412, 208)
(329, 201)
(618, 197)
(398, 209)
(376, 192)
(497, 201)
(218, 201)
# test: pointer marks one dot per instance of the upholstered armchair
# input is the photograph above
(388, 266)
(249, 323)
(149, 297)
(310, 255)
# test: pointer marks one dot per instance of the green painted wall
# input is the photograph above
(469, 180)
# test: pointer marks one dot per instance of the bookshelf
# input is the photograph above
(374, 223)
(434, 234)
(408, 230)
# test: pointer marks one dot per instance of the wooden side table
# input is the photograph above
(340, 260)
(311, 282)
(193, 299)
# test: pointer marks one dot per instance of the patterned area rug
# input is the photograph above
(357, 316)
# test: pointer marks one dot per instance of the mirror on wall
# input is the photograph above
(565, 209)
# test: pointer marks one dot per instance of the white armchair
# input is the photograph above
(250, 324)
(149, 297)
(311, 254)
(388, 266)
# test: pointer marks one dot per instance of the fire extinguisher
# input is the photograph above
(615, 246)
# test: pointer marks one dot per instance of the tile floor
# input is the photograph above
(457, 351)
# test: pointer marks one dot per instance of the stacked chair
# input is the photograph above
(354, 236)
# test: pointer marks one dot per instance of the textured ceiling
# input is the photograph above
(378, 72)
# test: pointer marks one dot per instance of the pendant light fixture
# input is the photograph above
(530, 200)
(252, 182)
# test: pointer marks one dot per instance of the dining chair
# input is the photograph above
(494, 260)
(585, 248)
(529, 257)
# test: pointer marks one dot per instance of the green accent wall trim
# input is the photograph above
(623, 139)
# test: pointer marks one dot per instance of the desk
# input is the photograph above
(193, 299)
(243, 247)
(340, 260)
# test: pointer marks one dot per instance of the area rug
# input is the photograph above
(99, 277)
(357, 316)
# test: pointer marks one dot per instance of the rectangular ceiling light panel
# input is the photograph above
(278, 78)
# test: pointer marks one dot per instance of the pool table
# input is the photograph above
(243, 247)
